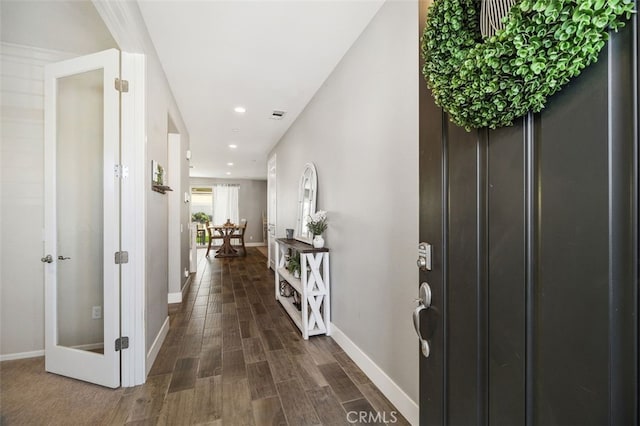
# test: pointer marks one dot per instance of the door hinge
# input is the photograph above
(122, 343)
(122, 257)
(120, 171)
(121, 85)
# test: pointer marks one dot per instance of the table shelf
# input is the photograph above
(313, 286)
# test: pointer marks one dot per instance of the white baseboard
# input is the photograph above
(22, 355)
(157, 344)
(178, 296)
(255, 244)
(388, 387)
(175, 297)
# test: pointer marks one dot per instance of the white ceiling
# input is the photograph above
(262, 55)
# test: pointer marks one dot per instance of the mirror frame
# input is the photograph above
(309, 173)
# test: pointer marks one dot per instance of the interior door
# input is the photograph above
(82, 211)
(534, 275)
(271, 212)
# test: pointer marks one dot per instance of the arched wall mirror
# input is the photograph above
(307, 193)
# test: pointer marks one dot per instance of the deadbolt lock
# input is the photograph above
(424, 256)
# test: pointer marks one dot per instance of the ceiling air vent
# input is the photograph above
(277, 115)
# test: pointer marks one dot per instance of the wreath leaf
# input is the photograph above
(544, 43)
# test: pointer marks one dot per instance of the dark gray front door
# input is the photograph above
(534, 229)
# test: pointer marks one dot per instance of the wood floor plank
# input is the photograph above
(236, 403)
(210, 361)
(268, 412)
(271, 340)
(184, 375)
(213, 321)
(165, 361)
(350, 367)
(231, 339)
(341, 384)
(149, 398)
(261, 383)
(233, 366)
(195, 326)
(293, 342)
(253, 350)
(320, 355)
(308, 371)
(212, 337)
(191, 346)
(327, 406)
(281, 366)
(297, 408)
(177, 408)
(208, 400)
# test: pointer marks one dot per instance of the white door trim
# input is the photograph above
(272, 212)
(133, 239)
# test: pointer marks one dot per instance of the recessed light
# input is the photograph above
(229, 164)
(228, 173)
(233, 146)
(240, 109)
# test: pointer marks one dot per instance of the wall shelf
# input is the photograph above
(162, 189)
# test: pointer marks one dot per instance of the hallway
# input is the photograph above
(232, 357)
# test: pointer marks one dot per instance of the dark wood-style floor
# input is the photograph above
(232, 357)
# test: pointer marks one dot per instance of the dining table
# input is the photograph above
(227, 231)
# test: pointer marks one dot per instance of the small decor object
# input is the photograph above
(317, 224)
(318, 241)
(543, 45)
(157, 171)
(293, 265)
(158, 178)
(285, 289)
(289, 234)
(297, 302)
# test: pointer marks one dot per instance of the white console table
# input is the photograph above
(313, 286)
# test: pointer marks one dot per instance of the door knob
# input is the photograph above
(424, 303)
(424, 343)
(47, 259)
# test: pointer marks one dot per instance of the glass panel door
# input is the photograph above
(82, 218)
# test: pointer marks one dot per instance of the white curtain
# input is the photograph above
(225, 203)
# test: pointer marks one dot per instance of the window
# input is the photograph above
(201, 202)
(225, 203)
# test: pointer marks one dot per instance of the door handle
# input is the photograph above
(63, 258)
(424, 303)
(47, 259)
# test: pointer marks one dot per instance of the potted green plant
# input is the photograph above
(293, 265)
(317, 224)
(200, 217)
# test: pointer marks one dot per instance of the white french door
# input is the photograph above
(271, 212)
(82, 218)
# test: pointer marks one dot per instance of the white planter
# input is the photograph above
(318, 241)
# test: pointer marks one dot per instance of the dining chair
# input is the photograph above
(239, 235)
(212, 236)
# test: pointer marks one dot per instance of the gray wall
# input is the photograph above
(160, 105)
(252, 201)
(361, 131)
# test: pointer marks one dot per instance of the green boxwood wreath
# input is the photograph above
(543, 45)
